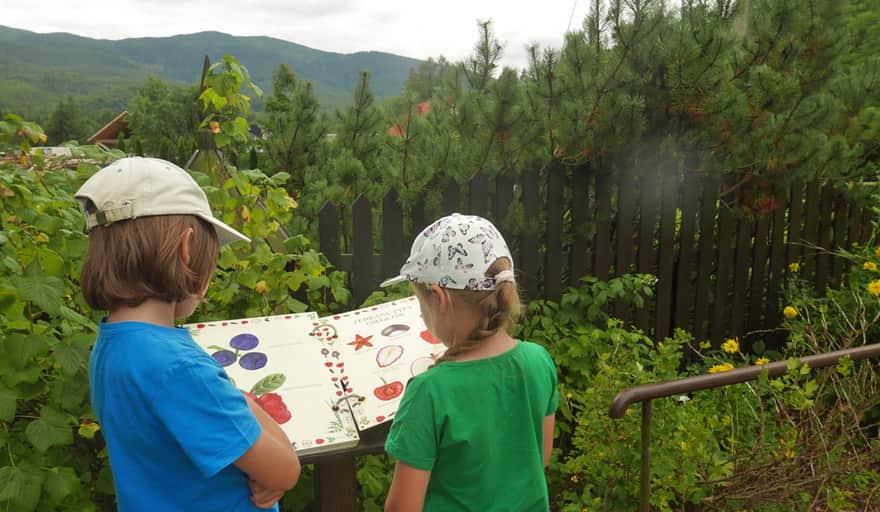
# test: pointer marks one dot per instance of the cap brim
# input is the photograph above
(392, 281)
(225, 234)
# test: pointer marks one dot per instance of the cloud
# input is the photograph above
(414, 28)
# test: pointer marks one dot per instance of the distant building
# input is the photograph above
(109, 134)
(399, 129)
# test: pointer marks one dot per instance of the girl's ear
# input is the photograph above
(442, 297)
(183, 248)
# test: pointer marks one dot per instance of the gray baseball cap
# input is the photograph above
(135, 187)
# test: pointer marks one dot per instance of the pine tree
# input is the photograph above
(65, 123)
(295, 126)
(120, 141)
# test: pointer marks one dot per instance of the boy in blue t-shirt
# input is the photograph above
(180, 435)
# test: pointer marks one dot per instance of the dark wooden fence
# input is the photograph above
(719, 270)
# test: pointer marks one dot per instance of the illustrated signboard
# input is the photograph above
(323, 379)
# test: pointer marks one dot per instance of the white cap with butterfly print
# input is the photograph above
(455, 252)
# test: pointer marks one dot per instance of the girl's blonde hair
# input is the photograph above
(499, 309)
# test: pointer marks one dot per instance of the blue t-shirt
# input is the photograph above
(173, 421)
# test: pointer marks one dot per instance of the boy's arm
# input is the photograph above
(408, 489)
(271, 461)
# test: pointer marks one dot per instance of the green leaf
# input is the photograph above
(72, 358)
(52, 429)
(20, 488)
(268, 383)
(51, 262)
(46, 292)
(76, 318)
(61, 483)
(21, 350)
(7, 403)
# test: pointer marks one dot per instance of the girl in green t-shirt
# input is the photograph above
(475, 431)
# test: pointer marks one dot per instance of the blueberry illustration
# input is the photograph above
(253, 361)
(224, 357)
(244, 341)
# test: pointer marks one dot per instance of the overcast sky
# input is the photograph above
(414, 28)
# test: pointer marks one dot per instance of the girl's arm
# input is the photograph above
(549, 424)
(271, 461)
(408, 489)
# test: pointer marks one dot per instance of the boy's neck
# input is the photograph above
(151, 311)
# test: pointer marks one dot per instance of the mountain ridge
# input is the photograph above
(39, 69)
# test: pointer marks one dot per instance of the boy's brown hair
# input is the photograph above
(131, 261)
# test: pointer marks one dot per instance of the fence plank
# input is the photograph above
(529, 266)
(625, 246)
(867, 226)
(419, 218)
(742, 251)
(707, 258)
(602, 250)
(823, 258)
(726, 246)
(451, 200)
(553, 256)
(665, 283)
(810, 234)
(854, 235)
(328, 233)
(759, 273)
(362, 249)
(503, 199)
(580, 224)
(393, 254)
(777, 262)
(479, 195)
(841, 219)
(795, 225)
(684, 277)
(647, 255)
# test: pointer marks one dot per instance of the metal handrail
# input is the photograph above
(647, 392)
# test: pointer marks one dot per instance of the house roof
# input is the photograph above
(111, 130)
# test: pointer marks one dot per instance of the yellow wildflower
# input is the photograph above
(42, 137)
(790, 312)
(789, 454)
(874, 287)
(683, 445)
(870, 265)
(762, 361)
(214, 126)
(705, 344)
(794, 267)
(574, 479)
(731, 346)
(718, 368)
(261, 287)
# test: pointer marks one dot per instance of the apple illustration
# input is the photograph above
(427, 336)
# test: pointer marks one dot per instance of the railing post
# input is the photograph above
(644, 502)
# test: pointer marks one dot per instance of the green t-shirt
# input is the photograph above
(477, 426)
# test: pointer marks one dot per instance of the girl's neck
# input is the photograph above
(151, 311)
(494, 345)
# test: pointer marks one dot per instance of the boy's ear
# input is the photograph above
(183, 248)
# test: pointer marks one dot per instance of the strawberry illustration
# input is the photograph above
(273, 404)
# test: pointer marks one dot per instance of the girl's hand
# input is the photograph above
(264, 497)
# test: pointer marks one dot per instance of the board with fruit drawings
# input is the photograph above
(275, 360)
(323, 379)
(371, 354)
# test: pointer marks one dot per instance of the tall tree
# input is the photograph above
(295, 126)
(162, 112)
(65, 123)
